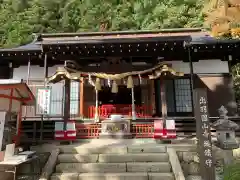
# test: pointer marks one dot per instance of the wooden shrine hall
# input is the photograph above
(140, 74)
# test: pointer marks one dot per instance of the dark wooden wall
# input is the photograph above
(220, 92)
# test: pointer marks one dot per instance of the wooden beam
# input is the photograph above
(67, 88)
(81, 105)
(163, 98)
(19, 123)
(14, 98)
(152, 97)
(10, 100)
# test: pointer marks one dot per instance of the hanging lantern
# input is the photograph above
(114, 87)
(90, 80)
(109, 83)
(98, 84)
(124, 82)
(140, 78)
(130, 82)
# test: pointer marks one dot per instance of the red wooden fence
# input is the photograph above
(88, 131)
(104, 111)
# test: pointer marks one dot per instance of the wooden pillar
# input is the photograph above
(191, 76)
(163, 100)
(19, 122)
(81, 95)
(45, 69)
(157, 97)
(152, 98)
(45, 80)
(10, 65)
(67, 86)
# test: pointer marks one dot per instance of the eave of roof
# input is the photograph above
(119, 37)
(119, 33)
(193, 37)
(207, 39)
(21, 87)
(27, 47)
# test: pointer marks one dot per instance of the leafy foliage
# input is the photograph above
(19, 19)
(232, 172)
(236, 80)
(223, 16)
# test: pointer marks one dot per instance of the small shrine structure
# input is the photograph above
(14, 95)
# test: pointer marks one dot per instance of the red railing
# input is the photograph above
(142, 130)
(105, 111)
(90, 131)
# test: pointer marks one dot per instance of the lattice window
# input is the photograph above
(57, 98)
(57, 95)
(74, 96)
(183, 95)
(169, 89)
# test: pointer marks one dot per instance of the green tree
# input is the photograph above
(19, 19)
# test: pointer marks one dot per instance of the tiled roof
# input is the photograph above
(194, 36)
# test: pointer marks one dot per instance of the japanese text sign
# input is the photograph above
(43, 101)
(204, 134)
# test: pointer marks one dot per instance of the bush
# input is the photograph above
(232, 172)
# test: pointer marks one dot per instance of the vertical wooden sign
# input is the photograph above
(207, 168)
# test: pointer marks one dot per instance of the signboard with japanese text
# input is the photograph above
(204, 134)
(43, 101)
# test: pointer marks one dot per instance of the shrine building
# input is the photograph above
(89, 76)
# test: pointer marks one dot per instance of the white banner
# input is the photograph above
(2, 124)
(43, 101)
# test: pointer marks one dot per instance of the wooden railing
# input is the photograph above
(43, 131)
(105, 111)
(143, 130)
(88, 131)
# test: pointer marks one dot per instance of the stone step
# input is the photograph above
(147, 149)
(113, 158)
(137, 157)
(190, 177)
(114, 167)
(73, 149)
(113, 176)
(78, 158)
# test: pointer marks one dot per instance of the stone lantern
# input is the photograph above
(225, 130)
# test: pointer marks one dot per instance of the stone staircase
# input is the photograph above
(113, 162)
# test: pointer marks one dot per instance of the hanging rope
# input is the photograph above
(74, 74)
(162, 67)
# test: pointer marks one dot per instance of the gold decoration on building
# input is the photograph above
(161, 69)
(98, 84)
(130, 82)
(121, 75)
(165, 70)
(114, 87)
(62, 74)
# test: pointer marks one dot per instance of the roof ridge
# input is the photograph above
(86, 34)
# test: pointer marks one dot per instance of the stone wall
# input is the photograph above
(189, 160)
